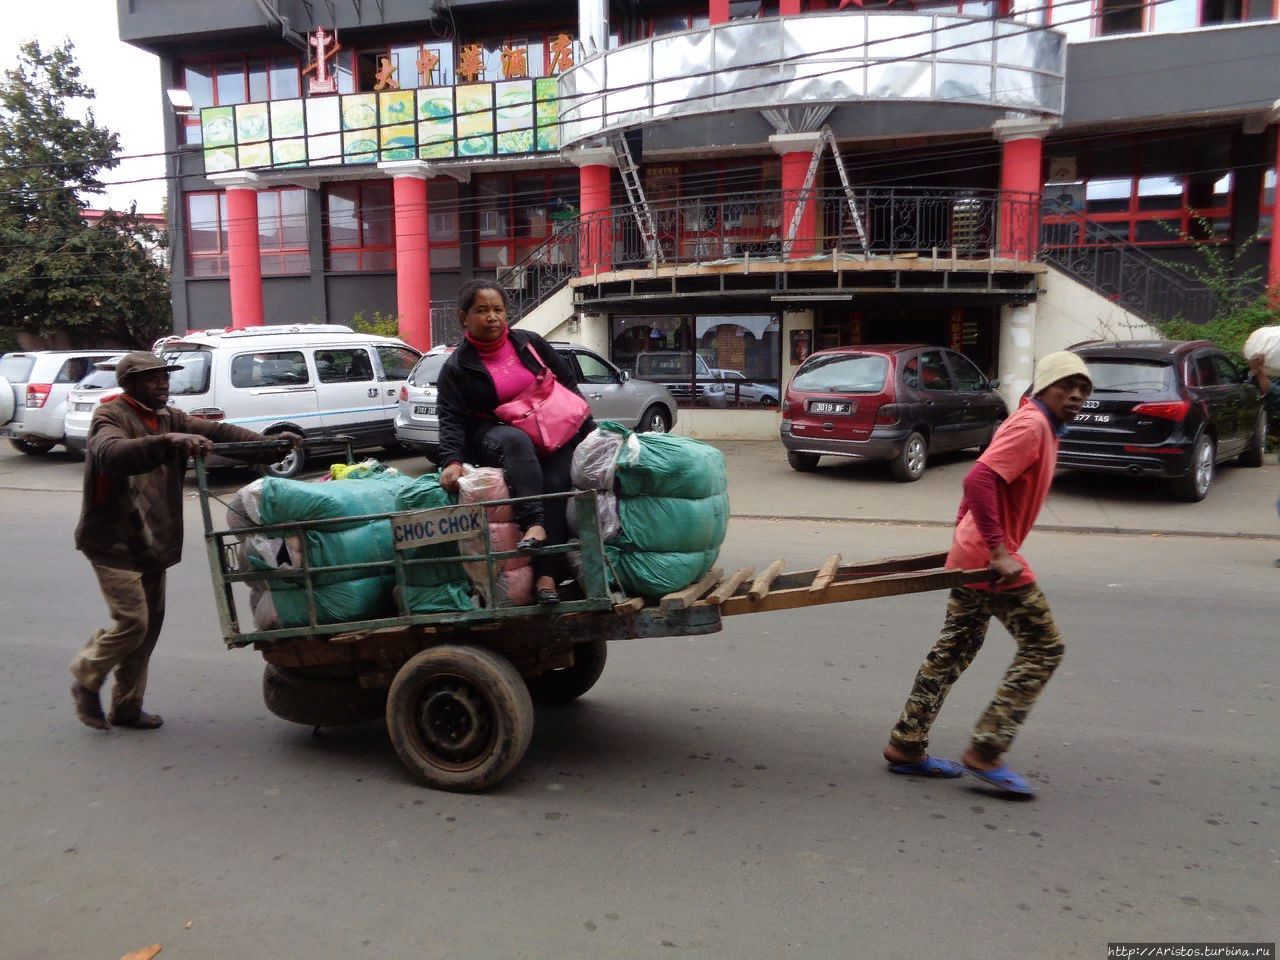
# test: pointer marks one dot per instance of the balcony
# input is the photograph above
(817, 60)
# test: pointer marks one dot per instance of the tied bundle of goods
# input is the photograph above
(441, 586)
(1265, 341)
(672, 505)
(514, 575)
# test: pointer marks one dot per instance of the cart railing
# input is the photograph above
(410, 530)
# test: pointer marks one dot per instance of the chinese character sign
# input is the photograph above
(471, 62)
(326, 48)
(515, 61)
(561, 53)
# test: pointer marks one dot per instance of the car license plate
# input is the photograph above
(1092, 418)
(832, 407)
(424, 409)
(82, 407)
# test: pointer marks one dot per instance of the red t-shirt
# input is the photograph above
(1024, 452)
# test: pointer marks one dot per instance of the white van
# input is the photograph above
(316, 379)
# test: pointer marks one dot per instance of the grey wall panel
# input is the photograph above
(349, 294)
(290, 300)
(208, 304)
(1123, 78)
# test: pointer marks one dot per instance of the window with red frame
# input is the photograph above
(717, 209)
(207, 234)
(1152, 192)
(282, 231)
(442, 207)
(1098, 18)
(360, 226)
(1267, 209)
(242, 78)
(517, 212)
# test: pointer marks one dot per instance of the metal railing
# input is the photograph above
(1127, 275)
(896, 222)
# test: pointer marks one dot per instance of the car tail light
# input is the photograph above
(888, 415)
(1175, 410)
(208, 413)
(404, 393)
(37, 394)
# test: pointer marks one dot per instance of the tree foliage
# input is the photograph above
(62, 279)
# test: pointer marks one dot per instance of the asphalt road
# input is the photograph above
(713, 797)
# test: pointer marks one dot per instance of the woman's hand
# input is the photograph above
(449, 477)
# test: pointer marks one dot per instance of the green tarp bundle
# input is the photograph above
(673, 504)
(432, 587)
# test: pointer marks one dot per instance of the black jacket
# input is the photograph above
(466, 396)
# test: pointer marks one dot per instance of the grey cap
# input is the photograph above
(140, 362)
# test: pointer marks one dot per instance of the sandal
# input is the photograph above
(931, 767)
(1005, 780)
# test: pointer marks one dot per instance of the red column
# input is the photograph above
(595, 244)
(718, 11)
(244, 257)
(788, 7)
(413, 261)
(1020, 188)
(795, 166)
(1273, 265)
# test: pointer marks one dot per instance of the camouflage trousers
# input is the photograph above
(1025, 614)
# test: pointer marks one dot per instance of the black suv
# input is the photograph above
(1172, 409)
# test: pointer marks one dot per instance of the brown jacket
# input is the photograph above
(131, 514)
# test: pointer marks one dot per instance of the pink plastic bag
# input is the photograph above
(515, 574)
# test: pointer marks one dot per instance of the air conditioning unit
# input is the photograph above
(512, 279)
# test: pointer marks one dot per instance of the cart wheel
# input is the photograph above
(459, 717)
(320, 701)
(569, 683)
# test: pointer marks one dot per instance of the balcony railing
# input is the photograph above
(818, 58)
(951, 225)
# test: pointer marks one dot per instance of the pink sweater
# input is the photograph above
(510, 376)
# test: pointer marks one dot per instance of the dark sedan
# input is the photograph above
(1168, 409)
(899, 403)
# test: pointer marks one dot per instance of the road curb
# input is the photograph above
(1049, 527)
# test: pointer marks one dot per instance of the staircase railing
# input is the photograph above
(1127, 275)
(543, 271)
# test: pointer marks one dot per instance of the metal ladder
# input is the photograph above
(635, 196)
(826, 139)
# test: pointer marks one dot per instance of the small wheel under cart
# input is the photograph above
(566, 684)
(460, 717)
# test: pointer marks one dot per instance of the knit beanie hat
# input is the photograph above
(1057, 366)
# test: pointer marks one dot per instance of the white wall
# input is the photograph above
(704, 424)
(552, 316)
(1068, 312)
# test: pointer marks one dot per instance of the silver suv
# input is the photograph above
(612, 393)
(33, 394)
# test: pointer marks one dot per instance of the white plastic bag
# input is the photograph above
(1265, 341)
(595, 460)
(606, 509)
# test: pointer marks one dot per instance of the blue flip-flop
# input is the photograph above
(935, 767)
(1005, 780)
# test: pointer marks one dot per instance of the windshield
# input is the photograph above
(1130, 376)
(16, 368)
(193, 378)
(99, 379)
(427, 372)
(842, 373)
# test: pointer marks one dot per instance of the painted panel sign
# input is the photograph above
(426, 528)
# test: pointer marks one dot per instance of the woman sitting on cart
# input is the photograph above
(485, 387)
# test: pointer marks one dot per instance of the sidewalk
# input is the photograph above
(761, 484)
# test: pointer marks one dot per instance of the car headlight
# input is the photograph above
(715, 388)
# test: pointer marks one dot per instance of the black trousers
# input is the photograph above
(499, 445)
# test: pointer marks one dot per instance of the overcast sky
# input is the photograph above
(126, 80)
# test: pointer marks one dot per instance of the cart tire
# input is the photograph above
(569, 683)
(459, 717)
(320, 701)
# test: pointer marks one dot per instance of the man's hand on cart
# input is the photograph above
(1004, 569)
(449, 477)
(189, 444)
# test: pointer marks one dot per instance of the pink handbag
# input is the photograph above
(548, 411)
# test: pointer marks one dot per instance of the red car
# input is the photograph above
(894, 402)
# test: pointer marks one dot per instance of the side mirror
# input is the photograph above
(993, 383)
(625, 375)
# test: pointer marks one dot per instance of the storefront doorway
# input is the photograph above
(974, 331)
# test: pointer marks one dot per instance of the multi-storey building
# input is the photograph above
(709, 185)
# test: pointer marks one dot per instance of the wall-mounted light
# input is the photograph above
(180, 100)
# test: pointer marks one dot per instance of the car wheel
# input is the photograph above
(803, 462)
(654, 420)
(32, 447)
(768, 401)
(908, 466)
(285, 469)
(1254, 453)
(1194, 487)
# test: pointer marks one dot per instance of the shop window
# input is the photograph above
(442, 202)
(710, 361)
(360, 221)
(517, 214)
(207, 234)
(282, 231)
(226, 81)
